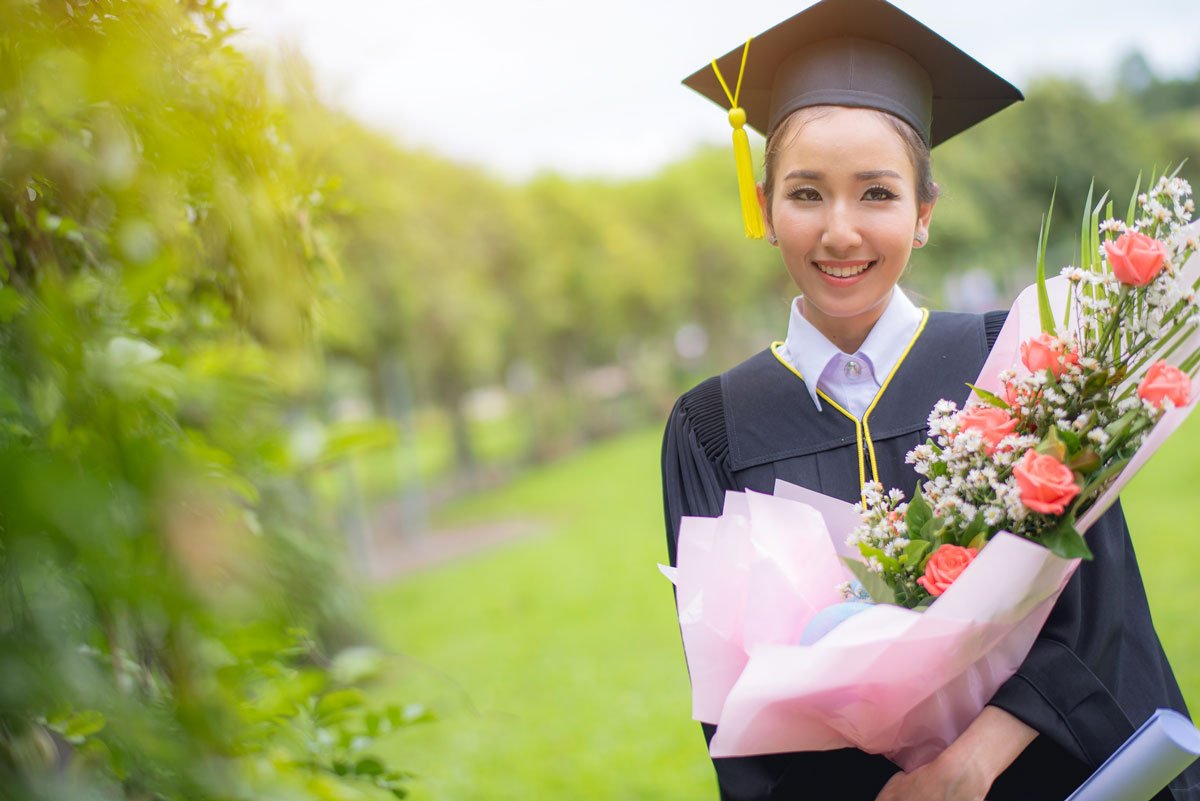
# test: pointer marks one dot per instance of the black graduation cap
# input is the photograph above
(864, 53)
(860, 53)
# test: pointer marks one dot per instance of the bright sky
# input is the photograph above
(529, 85)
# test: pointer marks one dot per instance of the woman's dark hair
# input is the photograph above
(918, 151)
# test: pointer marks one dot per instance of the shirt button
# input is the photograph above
(853, 369)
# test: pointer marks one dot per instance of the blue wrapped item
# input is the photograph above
(1147, 762)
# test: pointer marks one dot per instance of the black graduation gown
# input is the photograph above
(1096, 671)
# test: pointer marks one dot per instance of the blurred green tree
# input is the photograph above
(162, 266)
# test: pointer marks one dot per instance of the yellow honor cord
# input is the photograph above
(751, 213)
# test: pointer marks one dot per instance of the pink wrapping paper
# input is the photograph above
(888, 680)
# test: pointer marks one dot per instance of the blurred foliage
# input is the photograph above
(163, 260)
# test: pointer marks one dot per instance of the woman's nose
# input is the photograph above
(841, 233)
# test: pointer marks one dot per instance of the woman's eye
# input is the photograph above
(804, 193)
(879, 193)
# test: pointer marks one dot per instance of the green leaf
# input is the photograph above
(978, 541)
(916, 551)
(934, 530)
(369, 766)
(83, 724)
(1052, 445)
(873, 583)
(1085, 237)
(919, 513)
(1070, 438)
(1064, 541)
(339, 701)
(888, 562)
(1095, 382)
(938, 469)
(399, 775)
(975, 529)
(1044, 310)
(1118, 428)
(990, 398)
(1085, 462)
(1132, 212)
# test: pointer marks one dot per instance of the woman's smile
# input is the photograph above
(843, 273)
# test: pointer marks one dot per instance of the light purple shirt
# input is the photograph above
(851, 379)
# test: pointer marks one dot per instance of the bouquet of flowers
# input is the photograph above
(811, 624)
(1035, 453)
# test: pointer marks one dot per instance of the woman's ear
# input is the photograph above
(765, 206)
(924, 218)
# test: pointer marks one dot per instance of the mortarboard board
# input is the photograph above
(864, 53)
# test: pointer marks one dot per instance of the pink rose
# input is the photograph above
(1046, 352)
(1165, 382)
(1135, 258)
(992, 423)
(946, 565)
(1046, 485)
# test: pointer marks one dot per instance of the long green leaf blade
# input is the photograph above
(1085, 261)
(1044, 311)
(1137, 187)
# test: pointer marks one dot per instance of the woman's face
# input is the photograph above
(844, 208)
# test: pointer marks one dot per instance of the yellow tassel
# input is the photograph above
(751, 212)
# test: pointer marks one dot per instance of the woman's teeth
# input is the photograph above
(843, 272)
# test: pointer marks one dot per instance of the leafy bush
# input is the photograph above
(163, 259)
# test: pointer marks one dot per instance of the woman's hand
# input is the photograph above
(966, 770)
(940, 780)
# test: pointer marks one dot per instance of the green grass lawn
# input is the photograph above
(555, 665)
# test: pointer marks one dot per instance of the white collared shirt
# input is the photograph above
(851, 379)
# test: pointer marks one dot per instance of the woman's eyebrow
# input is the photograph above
(808, 175)
(869, 175)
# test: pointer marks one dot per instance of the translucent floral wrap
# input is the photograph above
(888, 680)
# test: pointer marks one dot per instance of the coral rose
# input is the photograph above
(1135, 258)
(1046, 352)
(946, 565)
(1164, 382)
(992, 423)
(1046, 485)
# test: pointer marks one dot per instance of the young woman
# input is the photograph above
(851, 94)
